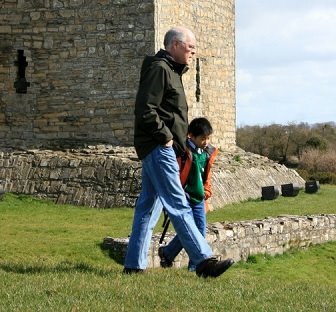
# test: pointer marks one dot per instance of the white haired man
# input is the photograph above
(161, 125)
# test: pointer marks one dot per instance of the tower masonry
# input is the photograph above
(69, 70)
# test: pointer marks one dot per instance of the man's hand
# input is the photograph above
(169, 143)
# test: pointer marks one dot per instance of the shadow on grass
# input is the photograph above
(63, 267)
(116, 250)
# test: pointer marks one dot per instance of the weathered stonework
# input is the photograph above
(93, 177)
(240, 175)
(83, 62)
(108, 176)
(239, 240)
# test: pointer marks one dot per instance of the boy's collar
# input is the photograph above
(194, 147)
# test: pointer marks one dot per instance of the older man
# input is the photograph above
(161, 124)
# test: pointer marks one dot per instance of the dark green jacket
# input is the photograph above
(161, 111)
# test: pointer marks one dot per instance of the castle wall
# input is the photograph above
(83, 69)
(80, 63)
(210, 82)
(106, 176)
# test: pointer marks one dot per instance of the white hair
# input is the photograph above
(175, 33)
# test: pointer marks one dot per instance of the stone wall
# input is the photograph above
(210, 83)
(69, 70)
(109, 176)
(239, 240)
(93, 177)
(240, 175)
(83, 59)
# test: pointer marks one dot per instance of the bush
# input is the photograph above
(314, 160)
(322, 177)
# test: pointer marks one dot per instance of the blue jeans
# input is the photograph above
(161, 186)
(174, 247)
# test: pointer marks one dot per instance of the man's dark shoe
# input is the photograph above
(212, 267)
(164, 262)
(133, 271)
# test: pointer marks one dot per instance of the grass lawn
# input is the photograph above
(51, 260)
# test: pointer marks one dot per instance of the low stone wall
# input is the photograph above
(95, 177)
(239, 240)
(239, 175)
(109, 176)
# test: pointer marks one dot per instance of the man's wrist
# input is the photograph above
(169, 143)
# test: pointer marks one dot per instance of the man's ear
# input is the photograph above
(175, 44)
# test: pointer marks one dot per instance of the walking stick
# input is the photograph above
(165, 226)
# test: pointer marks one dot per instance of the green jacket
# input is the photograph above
(161, 110)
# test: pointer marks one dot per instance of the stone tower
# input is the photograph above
(69, 69)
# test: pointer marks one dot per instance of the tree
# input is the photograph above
(279, 142)
(316, 143)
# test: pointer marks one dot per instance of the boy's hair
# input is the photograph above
(200, 126)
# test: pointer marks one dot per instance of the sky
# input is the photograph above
(285, 61)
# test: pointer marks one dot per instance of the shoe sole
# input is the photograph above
(229, 263)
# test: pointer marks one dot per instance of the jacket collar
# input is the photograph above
(166, 56)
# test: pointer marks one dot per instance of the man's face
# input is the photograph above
(184, 51)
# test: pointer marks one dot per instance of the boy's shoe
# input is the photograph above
(164, 262)
(212, 267)
(133, 271)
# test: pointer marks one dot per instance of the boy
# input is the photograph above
(195, 178)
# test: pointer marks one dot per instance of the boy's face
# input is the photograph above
(201, 141)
